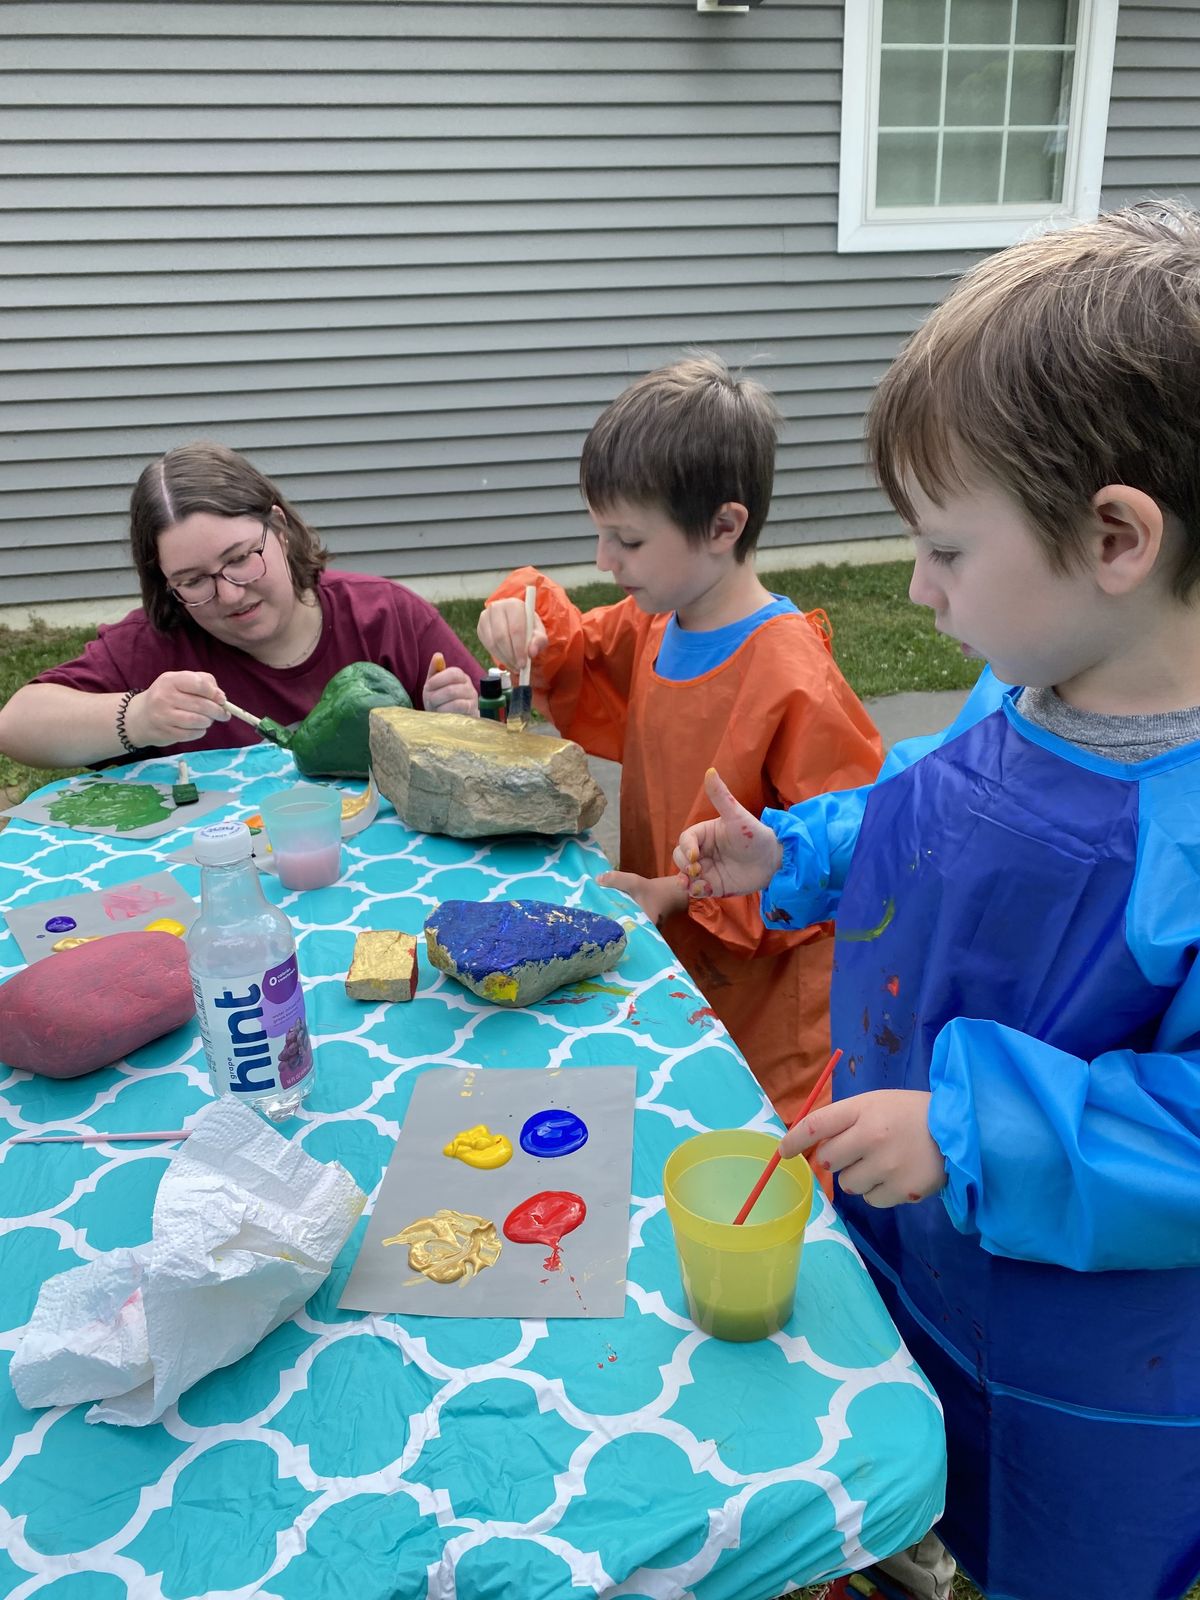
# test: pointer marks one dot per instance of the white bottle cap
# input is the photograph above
(222, 843)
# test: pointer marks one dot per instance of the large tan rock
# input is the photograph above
(472, 778)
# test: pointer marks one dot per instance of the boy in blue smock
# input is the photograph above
(1016, 1120)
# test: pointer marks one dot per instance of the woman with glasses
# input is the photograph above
(237, 602)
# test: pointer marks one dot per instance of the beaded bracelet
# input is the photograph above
(127, 746)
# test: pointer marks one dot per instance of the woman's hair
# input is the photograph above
(686, 438)
(210, 477)
(1059, 366)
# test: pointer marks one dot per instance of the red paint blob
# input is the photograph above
(704, 1011)
(544, 1219)
(892, 985)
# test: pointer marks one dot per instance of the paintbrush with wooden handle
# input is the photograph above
(521, 706)
(267, 726)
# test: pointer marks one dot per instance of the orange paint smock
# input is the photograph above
(780, 724)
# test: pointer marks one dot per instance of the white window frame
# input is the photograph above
(967, 227)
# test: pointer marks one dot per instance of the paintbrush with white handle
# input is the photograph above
(521, 706)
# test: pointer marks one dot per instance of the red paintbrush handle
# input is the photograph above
(814, 1092)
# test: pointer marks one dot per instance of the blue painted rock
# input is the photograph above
(516, 951)
(87, 1007)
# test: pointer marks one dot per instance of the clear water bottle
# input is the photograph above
(246, 980)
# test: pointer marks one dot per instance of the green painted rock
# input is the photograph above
(513, 952)
(87, 1007)
(333, 741)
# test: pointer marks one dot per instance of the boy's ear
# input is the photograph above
(1127, 537)
(727, 524)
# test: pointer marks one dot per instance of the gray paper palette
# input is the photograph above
(38, 810)
(117, 908)
(420, 1180)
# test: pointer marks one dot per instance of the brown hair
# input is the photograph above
(686, 439)
(1058, 366)
(209, 477)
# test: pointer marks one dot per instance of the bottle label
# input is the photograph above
(254, 1030)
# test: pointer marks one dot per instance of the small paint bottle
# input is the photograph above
(506, 685)
(492, 703)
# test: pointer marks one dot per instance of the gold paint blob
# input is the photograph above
(450, 1245)
(480, 1147)
(71, 940)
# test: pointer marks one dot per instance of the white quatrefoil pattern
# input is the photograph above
(353, 1457)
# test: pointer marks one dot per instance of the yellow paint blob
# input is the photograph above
(450, 1245)
(166, 925)
(479, 1147)
(71, 940)
(496, 986)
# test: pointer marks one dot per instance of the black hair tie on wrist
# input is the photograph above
(129, 748)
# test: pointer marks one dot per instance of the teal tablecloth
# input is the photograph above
(387, 1456)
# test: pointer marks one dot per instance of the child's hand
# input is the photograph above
(449, 689)
(658, 897)
(879, 1143)
(501, 631)
(734, 853)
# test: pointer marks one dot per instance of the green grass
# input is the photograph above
(23, 653)
(883, 643)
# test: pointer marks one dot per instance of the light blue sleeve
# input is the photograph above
(819, 835)
(1095, 1164)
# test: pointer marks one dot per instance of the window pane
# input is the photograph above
(976, 82)
(1041, 86)
(914, 21)
(1046, 21)
(910, 88)
(906, 169)
(971, 169)
(980, 21)
(1034, 170)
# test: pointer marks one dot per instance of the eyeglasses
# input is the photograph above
(241, 570)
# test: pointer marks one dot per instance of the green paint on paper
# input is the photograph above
(122, 806)
(856, 935)
(586, 986)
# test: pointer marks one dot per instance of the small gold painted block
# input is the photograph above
(384, 966)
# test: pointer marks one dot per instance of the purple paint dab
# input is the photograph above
(553, 1133)
(60, 924)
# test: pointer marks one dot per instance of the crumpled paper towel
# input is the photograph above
(246, 1226)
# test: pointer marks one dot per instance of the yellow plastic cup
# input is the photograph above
(740, 1282)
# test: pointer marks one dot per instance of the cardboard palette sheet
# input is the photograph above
(121, 808)
(141, 905)
(558, 1210)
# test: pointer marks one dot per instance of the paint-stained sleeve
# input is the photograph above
(582, 679)
(1092, 1165)
(821, 740)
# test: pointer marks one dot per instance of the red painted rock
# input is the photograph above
(87, 1007)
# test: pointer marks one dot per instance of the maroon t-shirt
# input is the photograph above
(365, 619)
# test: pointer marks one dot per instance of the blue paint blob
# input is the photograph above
(60, 924)
(553, 1133)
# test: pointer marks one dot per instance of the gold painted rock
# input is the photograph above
(473, 779)
(384, 966)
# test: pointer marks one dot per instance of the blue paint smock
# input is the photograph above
(1017, 928)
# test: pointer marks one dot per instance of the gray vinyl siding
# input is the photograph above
(402, 253)
(1153, 122)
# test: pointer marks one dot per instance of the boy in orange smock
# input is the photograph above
(698, 666)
